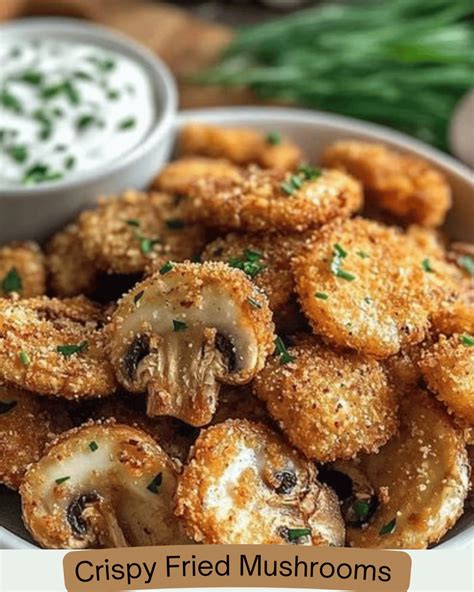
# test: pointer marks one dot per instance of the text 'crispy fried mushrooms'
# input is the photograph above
(369, 287)
(55, 347)
(186, 329)
(260, 200)
(101, 485)
(330, 405)
(245, 485)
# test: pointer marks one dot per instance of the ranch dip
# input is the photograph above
(67, 108)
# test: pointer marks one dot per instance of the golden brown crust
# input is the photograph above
(257, 201)
(32, 330)
(239, 145)
(126, 234)
(448, 369)
(378, 287)
(331, 405)
(404, 185)
(71, 272)
(26, 261)
(244, 485)
(27, 424)
(424, 475)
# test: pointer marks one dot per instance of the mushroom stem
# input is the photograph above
(105, 525)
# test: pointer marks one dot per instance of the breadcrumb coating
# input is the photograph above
(27, 424)
(456, 316)
(260, 200)
(239, 145)
(331, 405)
(424, 473)
(55, 347)
(22, 270)
(239, 402)
(369, 287)
(125, 234)
(448, 369)
(404, 185)
(71, 272)
(245, 485)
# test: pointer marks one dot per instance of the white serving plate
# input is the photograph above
(313, 131)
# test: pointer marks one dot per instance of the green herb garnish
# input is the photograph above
(467, 340)
(389, 528)
(69, 163)
(18, 153)
(6, 406)
(40, 173)
(10, 102)
(253, 302)
(12, 282)
(113, 95)
(81, 75)
(61, 480)
(321, 295)
(31, 77)
(363, 254)
(337, 256)
(133, 222)
(154, 485)
(167, 267)
(84, 122)
(361, 508)
(295, 534)
(138, 297)
(427, 266)
(24, 358)
(273, 138)
(467, 263)
(71, 349)
(147, 244)
(280, 349)
(127, 123)
(93, 446)
(175, 223)
(103, 64)
(250, 262)
(179, 326)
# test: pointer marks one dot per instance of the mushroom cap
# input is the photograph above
(245, 485)
(26, 260)
(184, 330)
(101, 485)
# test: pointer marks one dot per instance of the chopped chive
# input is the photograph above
(12, 282)
(103, 64)
(6, 406)
(86, 121)
(71, 349)
(321, 295)
(288, 187)
(427, 266)
(175, 223)
(24, 358)
(69, 163)
(72, 93)
(138, 297)
(31, 77)
(167, 267)
(294, 534)
(368, 300)
(345, 275)
(273, 138)
(389, 528)
(155, 484)
(361, 508)
(40, 173)
(93, 446)
(340, 251)
(18, 153)
(338, 254)
(10, 102)
(309, 172)
(127, 123)
(254, 302)
(133, 222)
(249, 262)
(179, 326)
(467, 263)
(467, 340)
(113, 95)
(81, 75)
(147, 244)
(363, 254)
(280, 349)
(61, 480)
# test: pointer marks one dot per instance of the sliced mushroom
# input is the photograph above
(245, 485)
(185, 330)
(101, 485)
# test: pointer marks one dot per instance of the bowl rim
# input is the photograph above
(264, 115)
(159, 76)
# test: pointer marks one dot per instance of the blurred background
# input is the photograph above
(403, 63)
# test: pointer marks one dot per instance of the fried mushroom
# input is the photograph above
(404, 185)
(123, 235)
(331, 405)
(101, 485)
(239, 145)
(369, 287)
(245, 485)
(423, 474)
(258, 200)
(182, 332)
(448, 369)
(55, 347)
(27, 424)
(22, 270)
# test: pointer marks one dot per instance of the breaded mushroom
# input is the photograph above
(101, 485)
(404, 185)
(448, 369)
(55, 347)
(124, 235)
(259, 200)
(239, 402)
(245, 485)
(456, 315)
(369, 287)
(176, 177)
(239, 145)
(182, 332)
(422, 475)
(331, 405)
(27, 424)
(71, 272)
(22, 270)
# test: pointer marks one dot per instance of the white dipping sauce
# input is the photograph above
(66, 108)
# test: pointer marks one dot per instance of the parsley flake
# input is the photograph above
(12, 282)
(294, 534)
(426, 264)
(93, 446)
(467, 340)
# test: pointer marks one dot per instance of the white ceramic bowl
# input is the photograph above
(312, 131)
(39, 210)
